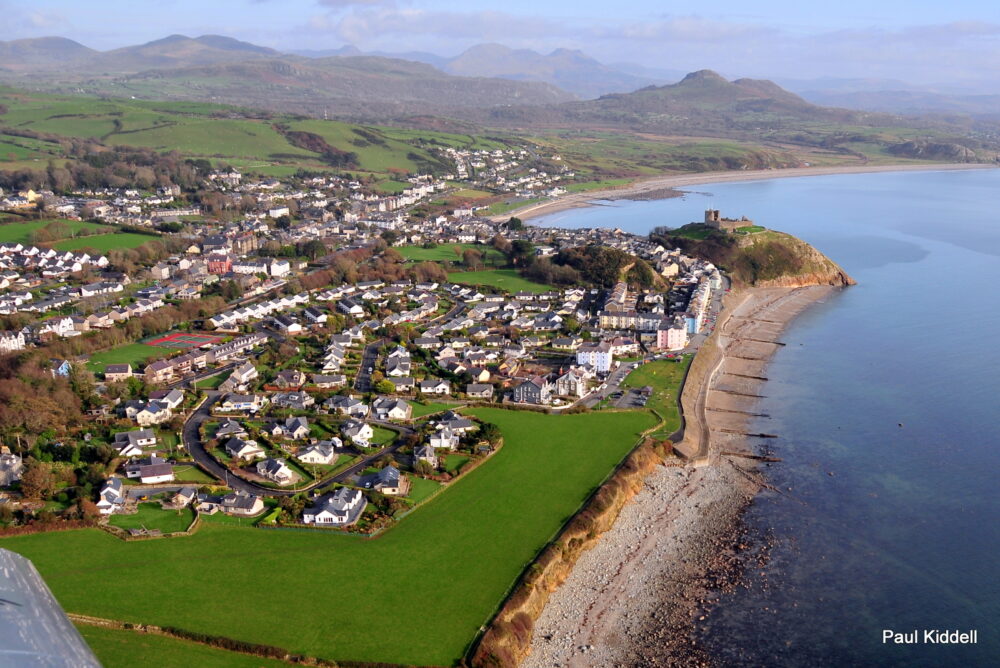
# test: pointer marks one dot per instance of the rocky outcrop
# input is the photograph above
(777, 260)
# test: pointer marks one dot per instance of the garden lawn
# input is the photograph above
(382, 436)
(420, 410)
(502, 279)
(456, 555)
(664, 376)
(122, 649)
(421, 488)
(136, 354)
(454, 462)
(212, 382)
(105, 242)
(152, 516)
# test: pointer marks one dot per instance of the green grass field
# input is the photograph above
(105, 242)
(502, 279)
(446, 253)
(664, 376)
(212, 382)
(121, 649)
(152, 516)
(456, 555)
(506, 207)
(21, 232)
(136, 354)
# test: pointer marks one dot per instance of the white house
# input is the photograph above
(343, 507)
(597, 354)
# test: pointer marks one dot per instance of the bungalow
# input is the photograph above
(131, 443)
(276, 470)
(325, 381)
(457, 423)
(325, 454)
(342, 507)
(287, 324)
(114, 373)
(349, 306)
(112, 496)
(479, 391)
(240, 449)
(388, 481)
(435, 386)
(231, 428)
(350, 406)
(150, 471)
(235, 503)
(242, 403)
(298, 401)
(392, 409)
(358, 432)
(402, 385)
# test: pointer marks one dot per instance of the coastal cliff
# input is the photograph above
(756, 257)
(777, 260)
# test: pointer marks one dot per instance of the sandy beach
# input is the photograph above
(661, 186)
(633, 599)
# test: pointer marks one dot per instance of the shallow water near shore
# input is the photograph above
(884, 526)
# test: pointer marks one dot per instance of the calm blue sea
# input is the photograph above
(885, 526)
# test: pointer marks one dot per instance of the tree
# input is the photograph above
(514, 224)
(38, 481)
(423, 467)
(385, 387)
(521, 251)
(472, 258)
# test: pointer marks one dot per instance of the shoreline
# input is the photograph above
(660, 187)
(634, 599)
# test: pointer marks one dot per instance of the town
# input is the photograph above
(319, 346)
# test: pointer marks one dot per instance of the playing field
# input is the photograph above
(328, 595)
(502, 279)
(446, 253)
(136, 354)
(105, 242)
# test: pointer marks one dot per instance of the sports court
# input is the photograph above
(182, 340)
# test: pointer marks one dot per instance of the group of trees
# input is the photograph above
(94, 165)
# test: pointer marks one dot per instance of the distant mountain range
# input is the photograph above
(541, 78)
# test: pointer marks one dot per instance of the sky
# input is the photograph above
(917, 41)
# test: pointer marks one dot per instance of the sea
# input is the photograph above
(883, 515)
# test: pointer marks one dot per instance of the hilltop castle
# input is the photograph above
(713, 219)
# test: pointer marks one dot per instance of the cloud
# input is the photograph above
(372, 24)
(337, 5)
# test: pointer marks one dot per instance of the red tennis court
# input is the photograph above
(183, 340)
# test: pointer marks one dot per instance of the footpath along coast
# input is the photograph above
(634, 598)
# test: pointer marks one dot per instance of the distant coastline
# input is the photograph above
(663, 187)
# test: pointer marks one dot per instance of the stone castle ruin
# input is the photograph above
(715, 220)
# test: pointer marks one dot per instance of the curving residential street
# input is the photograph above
(194, 445)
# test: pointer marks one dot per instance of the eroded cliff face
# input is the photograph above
(777, 260)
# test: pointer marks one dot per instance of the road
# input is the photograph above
(194, 445)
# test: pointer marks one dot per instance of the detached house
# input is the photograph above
(388, 481)
(276, 470)
(343, 507)
(112, 497)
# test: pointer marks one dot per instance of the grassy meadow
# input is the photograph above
(502, 279)
(456, 555)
